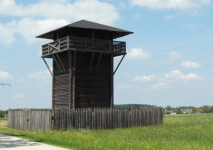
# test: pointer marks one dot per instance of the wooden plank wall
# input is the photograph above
(29, 119)
(61, 84)
(87, 118)
(89, 88)
(93, 88)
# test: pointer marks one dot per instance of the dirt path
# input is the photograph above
(13, 143)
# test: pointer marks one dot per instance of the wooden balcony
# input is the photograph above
(84, 44)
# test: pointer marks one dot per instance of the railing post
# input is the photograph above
(68, 42)
(48, 49)
(125, 46)
(59, 43)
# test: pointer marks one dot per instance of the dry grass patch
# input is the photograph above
(3, 122)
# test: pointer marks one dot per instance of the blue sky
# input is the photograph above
(169, 60)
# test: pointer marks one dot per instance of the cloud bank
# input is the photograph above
(54, 14)
(137, 53)
(170, 4)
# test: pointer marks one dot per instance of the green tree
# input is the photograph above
(206, 109)
(178, 111)
(168, 107)
(211, 109)
(1, 114)
(194, 109)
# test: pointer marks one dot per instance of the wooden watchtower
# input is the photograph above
(83, 54)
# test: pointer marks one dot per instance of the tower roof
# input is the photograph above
(87, 25)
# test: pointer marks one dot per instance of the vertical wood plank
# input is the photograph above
(112, 81)
(70, 79)
(73, 84)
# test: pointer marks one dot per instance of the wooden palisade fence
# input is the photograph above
(87, 118)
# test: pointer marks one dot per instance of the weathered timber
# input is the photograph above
(83, 118)
(83, 65)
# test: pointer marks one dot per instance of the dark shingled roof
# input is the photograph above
(88, 25)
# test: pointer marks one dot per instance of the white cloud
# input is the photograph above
(60, 1)
(190, 76)
(93, 10)
(19, 96)
(137, 53)
(190, 95)
(5, 76)
(122, 5)
(169, 17)
(190, 64)
(173, 74)
(137, 16)
(144, 78)
(124, 86)
(160, 86)
(176, 74)
(39, 52)
(41, 75)
(21, 80)
(58, 14)
(7, 35)
(30, 28)
(174, 56)
(170, 4)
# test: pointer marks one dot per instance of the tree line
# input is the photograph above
(205, 109)
(2, 113)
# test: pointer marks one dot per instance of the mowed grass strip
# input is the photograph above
(186, 131)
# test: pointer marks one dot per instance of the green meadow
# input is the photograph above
(184, 132)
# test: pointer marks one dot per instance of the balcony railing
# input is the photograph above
(83, 44)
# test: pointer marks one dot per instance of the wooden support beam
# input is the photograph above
(60, 62)
(48, 67)
(73, 80)
(70, 80)
(57, 63)
(47, 50)
(112, 81)
(68, 42)
(53, 88)
(84, 50)
(90, 65)
(119, 64)
(99, 60)
(92, 33)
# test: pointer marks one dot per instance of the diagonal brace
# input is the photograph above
(99, 60)
(54, 47)
(90, 65)
(48, 67)
(57, 63)
(60, 62)
(119, 64)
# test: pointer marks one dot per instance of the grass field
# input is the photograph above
(187, 131)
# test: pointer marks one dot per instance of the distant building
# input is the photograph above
(199, 110)
(171, 111)
(5, 115)
(184, 111)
